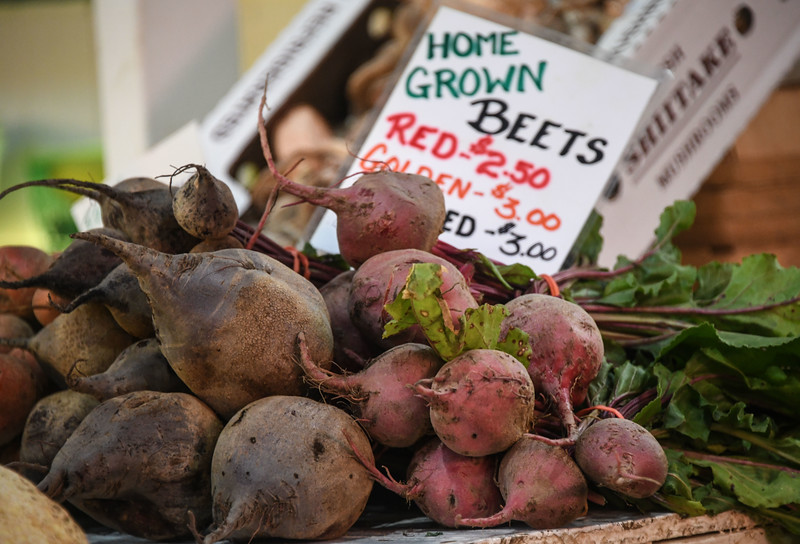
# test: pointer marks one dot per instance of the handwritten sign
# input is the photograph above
(521, 133)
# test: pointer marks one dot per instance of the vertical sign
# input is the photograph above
(726, 58)
(521, 134)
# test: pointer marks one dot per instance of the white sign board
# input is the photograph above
(520, 132)
(726, 58)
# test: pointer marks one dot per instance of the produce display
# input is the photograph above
(215, 385)
(179, 374)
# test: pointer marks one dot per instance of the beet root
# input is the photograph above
(566, 350)
(139, 367)
(380, 279)
(87, 337)
(121, 294)
(204, 206)
(79, 267)
(283, 468)
(141, 208)
(50, 422)
(541, 485)
(20, 388)
(382, 211)
(13, 326)
(138, 463)
(623, 456)
(382, 394)
(18, 263)
(444, 485)
(228, 321)
(481, 402)
(351, 350)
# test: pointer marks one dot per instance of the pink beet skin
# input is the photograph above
(445, 485)
(382, 211)
(541, 485)
(623, 456)
(381, 278)
(566, 349)
(382, 394)
(481, 402)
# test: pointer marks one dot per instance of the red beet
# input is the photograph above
(282, 468)
(443, 484)
(351, 351)
(18, 263)
(623, 456)
(481, 402)
(541, 485)
(382, 393)
(380, 279)
(381, 211)
(566, 349)
(121, 294)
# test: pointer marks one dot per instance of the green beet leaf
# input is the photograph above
(421, 303)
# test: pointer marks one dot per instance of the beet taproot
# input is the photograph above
(227, 321)
(283, 468)
(89, 337)
(381, 278)
(541, 485)
(444, 485)
(28, 515)
(50, 422)
(139, 367)
(138, 463)
(204, 205)
(13, 326)
(46, 305)
(79, 267)
(381, 211)
(18, 263)
(123, 297)
(381, 395)
(481, 402)
(351, 350)
(623, 456)
(566, 350)
(141, 208)
(20, 388)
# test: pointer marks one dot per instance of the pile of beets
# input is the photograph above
(167, 377)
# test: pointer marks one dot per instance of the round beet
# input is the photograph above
(443, 484)
(138, 463)
(541, 485)
(382, 211)
(381, 394)
(380, 279)
(204, 206)
(283, 468)
(566, 349)
(623, 456)
(351, 350)
(227, 321)
(481, 402)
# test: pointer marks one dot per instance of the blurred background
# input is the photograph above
(51, 115)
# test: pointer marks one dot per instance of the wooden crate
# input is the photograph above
(599, 527)
(750, 203)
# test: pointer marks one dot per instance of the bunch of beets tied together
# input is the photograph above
(190, 379)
